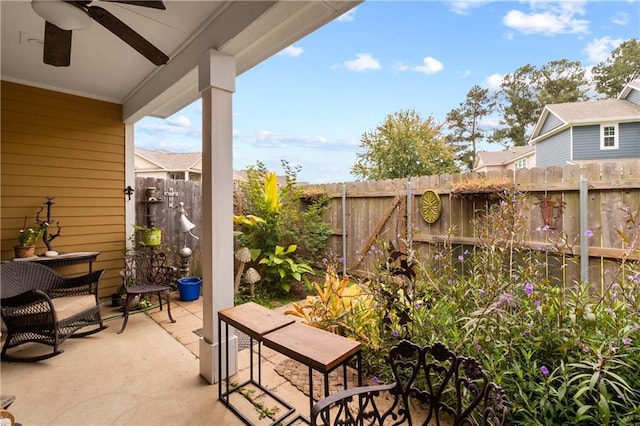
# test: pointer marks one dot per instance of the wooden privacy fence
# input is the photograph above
(364, 213)
(172, 192)
(361, 214)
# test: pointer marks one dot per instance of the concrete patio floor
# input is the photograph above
(149, 375)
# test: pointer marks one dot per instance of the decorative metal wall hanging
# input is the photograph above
(430, 206)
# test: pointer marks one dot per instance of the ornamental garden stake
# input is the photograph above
(48, 237)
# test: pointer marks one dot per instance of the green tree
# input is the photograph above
(519, 106)
(404, 145)
(623, 66)
(464, 124)
(524, 94)
(561, 81)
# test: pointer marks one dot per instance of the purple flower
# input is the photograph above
(588, 233)
(461, 258)
(545, 228)
(505, 298)
(627, 341)
(374, 379)
(466, 252)
(395, 334)
(324, 260)
(503, 203)
(528, 289)
(527, 333)
(544, 370)
(341, 260)
(481, 292)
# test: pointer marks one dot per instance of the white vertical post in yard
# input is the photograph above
(216, 83)
(584, 239)
(344, 229)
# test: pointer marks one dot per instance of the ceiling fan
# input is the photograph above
(63, 16)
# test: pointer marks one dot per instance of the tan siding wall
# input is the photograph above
(71, 148)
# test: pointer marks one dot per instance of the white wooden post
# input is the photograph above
(217, 76)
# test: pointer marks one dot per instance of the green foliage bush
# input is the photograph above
(286, 221)
(564, 354)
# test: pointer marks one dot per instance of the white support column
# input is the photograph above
(130, 180)
(217, 77)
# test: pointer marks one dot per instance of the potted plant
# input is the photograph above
(27, 239)
(148, 237)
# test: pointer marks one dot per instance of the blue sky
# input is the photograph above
(311, 103)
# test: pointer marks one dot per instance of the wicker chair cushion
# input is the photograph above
(68, 306)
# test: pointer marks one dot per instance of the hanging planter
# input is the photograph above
(148, 237)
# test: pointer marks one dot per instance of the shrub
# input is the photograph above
(563, 354)
(284, 221)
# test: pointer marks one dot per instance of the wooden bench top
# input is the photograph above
(312, 346)
(254, 320)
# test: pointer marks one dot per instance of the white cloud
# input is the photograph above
(465, 7)
(429, 66)
(270, 139)
(493, 82)
(363, 62)
(179, 121)
(599, 49)
(399, 66)
(348, 17)
(291, 51)
(621, 19)
(549, 18)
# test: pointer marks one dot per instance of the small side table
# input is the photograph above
(255, 321)
(318, 349)
(64, 259)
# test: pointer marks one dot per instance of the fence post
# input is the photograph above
(409, 216)
(344, 229)
(584, 240)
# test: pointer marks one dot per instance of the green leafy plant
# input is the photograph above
(30, 236)
(274, 216)
(282, 269)
(563, 353)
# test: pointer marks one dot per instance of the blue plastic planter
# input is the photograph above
(189, 288)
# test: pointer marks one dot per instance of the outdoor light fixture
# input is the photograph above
(63, 15)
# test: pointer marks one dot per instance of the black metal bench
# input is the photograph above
(432, 385)
(39, 305)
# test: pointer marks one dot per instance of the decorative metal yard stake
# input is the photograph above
(46, 237)
(185, 252)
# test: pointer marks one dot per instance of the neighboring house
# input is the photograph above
(514, 158)
(163, 164)
(594, 131)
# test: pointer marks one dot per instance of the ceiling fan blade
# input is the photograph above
(143, 3)
(127, 34)
(57, 45)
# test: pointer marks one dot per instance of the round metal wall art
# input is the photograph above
(430, 206)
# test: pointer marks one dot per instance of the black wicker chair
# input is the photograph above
(147, 272)
(39, 305)
(432, 386)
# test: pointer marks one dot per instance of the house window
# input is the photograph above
(609, 136)
(521, 164)
(176, 175)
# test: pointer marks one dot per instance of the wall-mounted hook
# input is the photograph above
(128, 191)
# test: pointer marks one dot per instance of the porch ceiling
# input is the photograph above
(104, 67)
